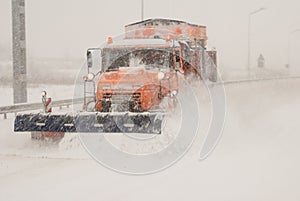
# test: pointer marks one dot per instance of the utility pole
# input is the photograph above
(19, 51)
(142, 10)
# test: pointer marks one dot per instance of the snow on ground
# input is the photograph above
(258, 158)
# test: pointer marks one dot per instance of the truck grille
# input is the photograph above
(119, 98)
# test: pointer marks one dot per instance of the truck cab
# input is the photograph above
(138, 74)
(148, 64)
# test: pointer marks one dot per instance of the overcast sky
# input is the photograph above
(66, 28)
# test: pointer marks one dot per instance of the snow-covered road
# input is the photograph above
(258, 158)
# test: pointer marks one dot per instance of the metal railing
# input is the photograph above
(228, 82)
(4, 110)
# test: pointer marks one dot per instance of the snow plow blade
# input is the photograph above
(90, 122)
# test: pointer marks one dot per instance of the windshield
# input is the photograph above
(114, 58)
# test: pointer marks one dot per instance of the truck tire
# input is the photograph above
(54, 137)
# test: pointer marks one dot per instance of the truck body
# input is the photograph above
(136, 73)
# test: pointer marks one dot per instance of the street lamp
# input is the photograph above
(249, 34)
(289, 46)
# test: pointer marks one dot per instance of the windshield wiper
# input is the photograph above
(113, 68)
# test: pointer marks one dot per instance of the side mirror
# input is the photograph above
(89, 59)
(177, 62)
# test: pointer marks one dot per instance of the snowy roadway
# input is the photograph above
(258, 158)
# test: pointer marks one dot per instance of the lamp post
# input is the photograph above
(249, 35)
(19, 51)
(142, 10)
(289, 46)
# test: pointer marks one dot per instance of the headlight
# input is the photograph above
(89, 77)
(44, 93)
(160, 75)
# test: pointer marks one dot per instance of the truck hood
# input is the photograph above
(129, 78)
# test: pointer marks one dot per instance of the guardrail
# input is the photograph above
(227, 82)
(35, 106)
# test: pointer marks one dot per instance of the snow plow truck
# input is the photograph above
(136, 73)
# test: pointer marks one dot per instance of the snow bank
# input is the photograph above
(258, 158)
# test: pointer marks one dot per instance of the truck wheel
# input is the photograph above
(37, 136)
(54, 137)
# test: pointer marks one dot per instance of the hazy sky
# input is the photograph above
(66, 28)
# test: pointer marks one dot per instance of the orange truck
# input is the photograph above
(137, 73)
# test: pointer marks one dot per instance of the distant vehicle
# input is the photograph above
(261, 61)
